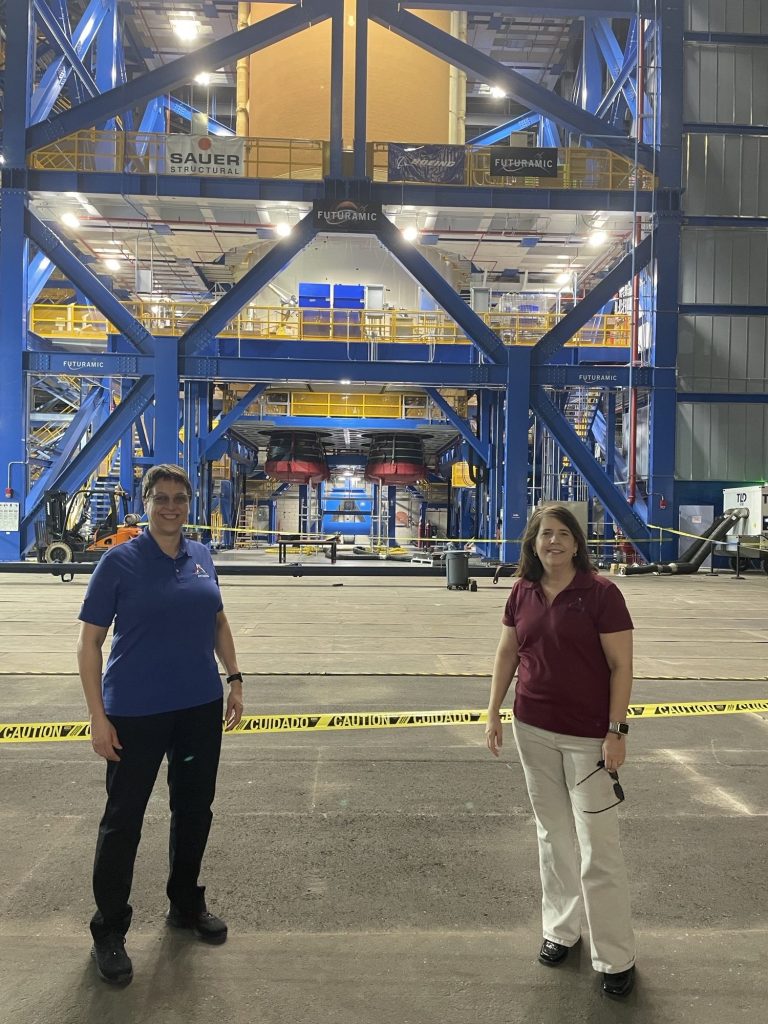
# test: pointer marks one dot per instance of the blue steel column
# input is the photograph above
(13, 295)
(167, 400)
(361, 88)
(391, 516)
(662, 430)
(337, 89)
(514, 509)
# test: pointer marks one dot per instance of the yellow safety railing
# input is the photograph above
(307, 160)
(147, 153)
(579, 168)
(359, 406)
(343, 325)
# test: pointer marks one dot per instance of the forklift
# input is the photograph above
(67, 534)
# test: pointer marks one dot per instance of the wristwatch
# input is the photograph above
(235, 677)
(620, 728)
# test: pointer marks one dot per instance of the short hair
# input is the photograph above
(164, 471)
(529, 566)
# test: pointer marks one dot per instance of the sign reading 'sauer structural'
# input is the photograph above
(512, 162)
(205, 155)
(442, 165)
(347, 215)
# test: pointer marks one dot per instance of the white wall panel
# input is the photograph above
(722, 441)
(724, 265)
(721, 353)
(725, 84)
(726, 16)
(726, 175)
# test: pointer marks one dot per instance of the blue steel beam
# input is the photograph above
(201, 335)
(621, 80)
(517, 124)
(612, 53)
(548, 8)
(58, 37)
(361, 89)
(461, 424)
(101, 442)
(332, 371)
(38, 273)
(522, 89)
(68, 444)
(80, 276)
(186, 111)
(388, 194)
(588, 466)
(422, 270)
(237, 412)
(57, 73)
(178, 72)
(593, 302)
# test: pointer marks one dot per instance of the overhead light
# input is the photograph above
(410, 234)
(562, 256)
(204, 78)
(598, 238)
(70, 220)
(498, 93)
(563, 278)
(345, 382)
(186, 29)
(112, 264)
(2, 159)
(283, 228)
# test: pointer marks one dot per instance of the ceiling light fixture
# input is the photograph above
(410, 234)
(204, 78)
(186, 29)
(283, 228)
(563, 278)
(598, 238)
(345, 381)
(498, 93)
(112, 264)
(70, 220)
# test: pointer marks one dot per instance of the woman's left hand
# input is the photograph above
(234, 710)
(614, 751)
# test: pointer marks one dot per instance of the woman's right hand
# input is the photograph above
(104, 738)
(493, 733)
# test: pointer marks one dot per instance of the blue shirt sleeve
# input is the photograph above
(100, 602)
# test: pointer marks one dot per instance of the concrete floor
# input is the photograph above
(391, 876)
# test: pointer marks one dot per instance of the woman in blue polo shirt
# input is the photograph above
(161, 695)
(569, 632)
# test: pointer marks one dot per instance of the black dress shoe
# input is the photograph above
(552, 953)
(206, 927)
(619, 985)
(113, 964)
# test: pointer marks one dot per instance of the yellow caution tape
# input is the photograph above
(347, 721)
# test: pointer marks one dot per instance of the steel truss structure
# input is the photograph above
(512, 382)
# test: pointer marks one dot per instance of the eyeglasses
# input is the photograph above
(616, 787)
(164, 500)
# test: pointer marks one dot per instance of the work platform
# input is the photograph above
(390, 875)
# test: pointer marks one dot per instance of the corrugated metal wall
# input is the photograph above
(724, 176)
(725, 84)
(723, 353)
(721, 441)
(726, 16)
(724, 265)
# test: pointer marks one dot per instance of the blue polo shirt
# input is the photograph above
(164, 610)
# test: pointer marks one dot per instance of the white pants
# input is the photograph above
(597, 889)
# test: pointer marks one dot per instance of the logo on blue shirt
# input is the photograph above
(200, 571)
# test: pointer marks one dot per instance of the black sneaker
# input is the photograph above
(619, 985)
(206, 926)
(113, 964)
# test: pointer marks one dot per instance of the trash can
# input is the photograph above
(457, 569)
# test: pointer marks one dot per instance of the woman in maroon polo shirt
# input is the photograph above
(569, 632)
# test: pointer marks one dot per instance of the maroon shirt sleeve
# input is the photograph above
(510, 608)
(613, 615)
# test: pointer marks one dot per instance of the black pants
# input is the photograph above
(191, 739)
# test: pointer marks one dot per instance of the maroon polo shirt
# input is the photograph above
(563, 682)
